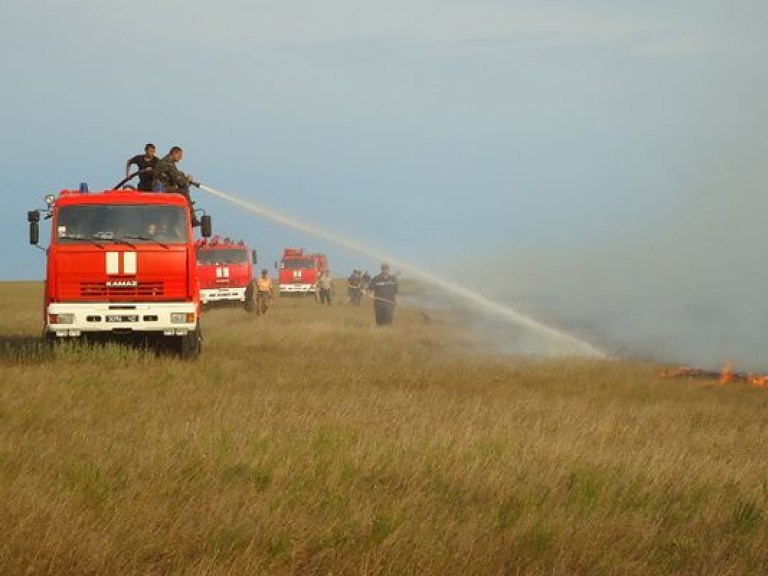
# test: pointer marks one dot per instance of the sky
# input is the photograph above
(601, 163)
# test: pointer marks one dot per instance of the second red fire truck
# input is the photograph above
(225, 269)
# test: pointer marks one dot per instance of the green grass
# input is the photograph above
(310, 442)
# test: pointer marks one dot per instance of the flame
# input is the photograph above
(726, 376)
(759, 380)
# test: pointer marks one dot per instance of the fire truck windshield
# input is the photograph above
(222, 256)
(114, 223)
(298, 263)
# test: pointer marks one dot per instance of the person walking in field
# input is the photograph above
(355, 287)
(265, 290)
(146, 163)
(384, 290)
(324, 287)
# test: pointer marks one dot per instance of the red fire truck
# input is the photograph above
(299, 271)
(121, 264)
(224, 268)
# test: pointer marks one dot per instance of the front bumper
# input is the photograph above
(74, 319)
(297, 288)
(221, 294)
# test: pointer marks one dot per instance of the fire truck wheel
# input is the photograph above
(191, 344)
(49, 341)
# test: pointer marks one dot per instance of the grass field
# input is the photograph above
(310, 442)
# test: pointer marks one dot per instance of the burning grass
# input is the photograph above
(308, 441)
(726, 376)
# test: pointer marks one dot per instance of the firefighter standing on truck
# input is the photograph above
(384, 290)
(146, 164)
(264, 292)
(167, 175)
(168, 178)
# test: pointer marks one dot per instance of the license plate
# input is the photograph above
(123, 318)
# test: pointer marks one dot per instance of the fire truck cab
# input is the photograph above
(121, 264)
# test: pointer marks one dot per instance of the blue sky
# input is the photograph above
(548, 139)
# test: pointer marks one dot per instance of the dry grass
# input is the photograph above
(310, 442)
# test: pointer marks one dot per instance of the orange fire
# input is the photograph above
(726, 376)
(759, 380)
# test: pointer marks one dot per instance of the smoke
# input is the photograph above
(692, 289)
(672, 266)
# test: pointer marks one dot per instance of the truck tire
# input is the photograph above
(49, 342)
(191, 344)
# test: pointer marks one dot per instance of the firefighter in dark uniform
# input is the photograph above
(169, 177)
(146, 164)
(355, 287)
(384, 290)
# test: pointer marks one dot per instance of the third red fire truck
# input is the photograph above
(299, 271)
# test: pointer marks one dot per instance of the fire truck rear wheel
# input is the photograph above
(191, 344)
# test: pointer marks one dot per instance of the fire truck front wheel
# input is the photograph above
(191, 344)
(49, 340)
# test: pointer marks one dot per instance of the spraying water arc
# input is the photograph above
(559, 342)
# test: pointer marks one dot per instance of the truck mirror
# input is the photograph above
(33, 216)
(254, 257)
(206, 228)
(34, 233)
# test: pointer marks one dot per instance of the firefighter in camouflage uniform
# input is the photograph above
(167, 175)
(168, 178)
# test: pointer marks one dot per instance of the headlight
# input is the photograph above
(182, 317)
(50, 199)
(61, 318)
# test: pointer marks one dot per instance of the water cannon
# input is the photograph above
(195, 184)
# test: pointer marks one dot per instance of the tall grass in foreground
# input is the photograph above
(310, 442)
